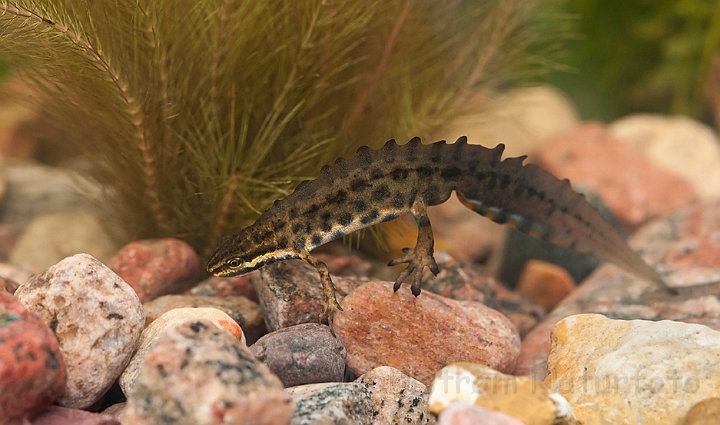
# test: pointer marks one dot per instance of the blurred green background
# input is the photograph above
(640, 56)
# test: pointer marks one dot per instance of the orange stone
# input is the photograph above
(420, 335)
(544, 283)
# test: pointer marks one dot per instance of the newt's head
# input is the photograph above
(231, 256)
(248, 250)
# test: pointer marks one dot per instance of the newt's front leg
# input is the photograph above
(327, 284)
(420, 256)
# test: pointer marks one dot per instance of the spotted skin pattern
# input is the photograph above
(376, 186)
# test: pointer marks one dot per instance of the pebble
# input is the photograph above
(332, 403)
(396, 398)
(169, 320)
(199, 374)
(302, 354)
(544, 283)
(686, 243)
(32, 370)
(96, 317)
(290, 294)
(157, 267)
(634, 189)
(51, 237)
(246, 313)
(420, 335)
(461, 413)
(465, 281)
(525, 399)
(633, 371)
(664, 139)
(117, 410)
(215, 286)
(58, 415)
(706, 412)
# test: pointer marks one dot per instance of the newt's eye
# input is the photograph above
(233, 263)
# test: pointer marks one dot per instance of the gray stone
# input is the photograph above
(302, 354)
(290, 294)
(332, 403)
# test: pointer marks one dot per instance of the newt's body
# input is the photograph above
(377, 186)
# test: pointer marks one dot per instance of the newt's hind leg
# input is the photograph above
(420, 256)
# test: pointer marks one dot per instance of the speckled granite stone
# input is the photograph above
(397, 398)
(197, 373)
(420, 335)
(32, 370)
(96, 317)
(331, 403)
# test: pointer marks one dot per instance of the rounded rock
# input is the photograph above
(303, 354)
(332, 403)
(32, 370)
(526, 399)
(420, 335)
(544, 283)
(246, 313)
(96, 317)
(169, 320)
(156, 267)
(633, 371)
(397, 398)
(197, 373)
(463, 281)
(215, 286)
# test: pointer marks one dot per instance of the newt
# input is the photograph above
(375, 186)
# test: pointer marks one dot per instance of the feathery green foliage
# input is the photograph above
(199, 113)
